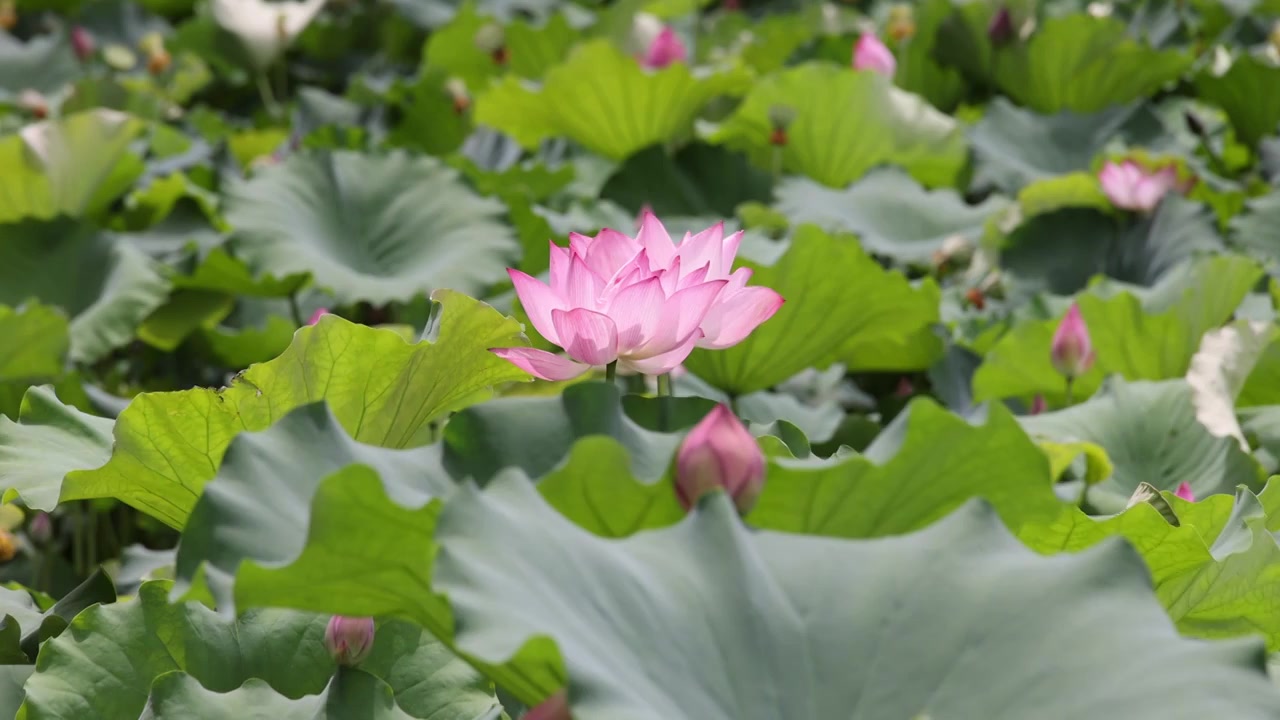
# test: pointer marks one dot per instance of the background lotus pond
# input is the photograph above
(347, 370)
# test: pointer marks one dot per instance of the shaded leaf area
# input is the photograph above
(374, 228)
(776, 612)
(27, 622)
(48, 440)
(696, 180)
(633, 108)
(36, 351)
(152, 657)
(1243, 92)
(891, 214)
(44, 63)
(102, 281)
(845, 124)
(841, 305)
(384, 390)
(1061, 251)
(1152, 338)
(73, 166)
(1169, 447)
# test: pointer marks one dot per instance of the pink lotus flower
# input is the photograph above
(555, 707)
(719, 453)
(1072, 350)
(349, 639)
(1185, 492)
(315, 316)
(82, 43)
(643, 302)
(871, 54)
(665, 49)
(1130, 187)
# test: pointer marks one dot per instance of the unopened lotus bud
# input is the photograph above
(1000, 30)
(348, 639)
(905, 389)
(82, 43)
(492, 39)
(555, 707)
(1185, 492)
(457, 90)
(41, 529)
(315, 316)
(8, 15)
(720, 454)
(34, 103)
(1072, 350)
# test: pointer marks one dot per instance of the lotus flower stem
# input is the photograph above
(777, 164)
(268, 97)
(295, 310)
(1070, 380)
(611, 371)
(664, 385)
(664, 408)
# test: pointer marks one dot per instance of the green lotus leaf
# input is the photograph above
(35, 350)
(36, 624)
(841, 306)
(605, 101)
(890, 213)
(45, 63)
(845, 123)
(698, 179)
(778, 613)
(1244, 92)
(76, 165)
(379, 228)
(1150, 432)
(48, 441)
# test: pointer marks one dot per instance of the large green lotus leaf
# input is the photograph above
(384, 391)
(923, 466)
(918, 70)
(1061, 251)
(710, 620)
(1246, 93)
(45, 63)
(34, 351)
(378, 228)
(1152, 340)
(102, 281)
(531, 50)
(1150, 432)
(889, 212)
(74, 166)
(351, 694)
(12, 678)
(1084, 64)
(698, 179)
(840, 305)
(35, 624)
(536, 433)
(104, 666)
(48, 441)
(1257, 228)
(262, 493)
(845, 123)
(605, 101)
(1015, 146)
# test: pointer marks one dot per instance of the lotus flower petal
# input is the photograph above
(538, 300)
(734, 318)
(542, 364)
(589, 337)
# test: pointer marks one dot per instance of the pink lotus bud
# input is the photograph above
(905, 389)
(871, 54)
(1185, 492)
(315, 316)
(41, 528)
(1037, 405)
(555, 707)
(1072, 351)
(1129, 186)
(719, 453)
(1000, 30)
(349, 639)
(665, 49)
(82, 43)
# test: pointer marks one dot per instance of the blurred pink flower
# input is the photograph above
(871, 54)
(555, 707)
(642, 302)
(349, 639)
(1130, 187)
(1185, 492)
(665, 49)
(1038, 405)
(315, 316)
(720, 453)
(1072, 350)
(82, 43)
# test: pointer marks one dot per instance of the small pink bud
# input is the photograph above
(1037, 405)
(871, 54)
(665, 49)
(41, 528)
(315, 316)
(1000, 31)
(349, 639)
(905, 389)
(719, 453)
(1185, 492)
(555, 707)
(82, 43)
(1072, 351)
